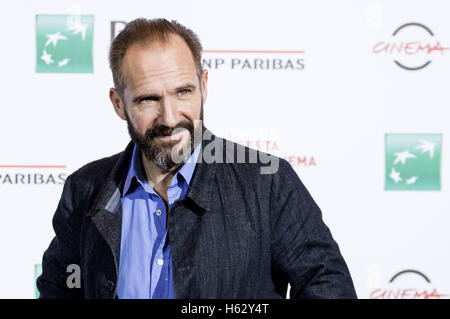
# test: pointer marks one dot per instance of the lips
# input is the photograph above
(175, 138)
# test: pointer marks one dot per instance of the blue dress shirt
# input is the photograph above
(145, 268)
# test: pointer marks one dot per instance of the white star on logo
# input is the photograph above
(54, 37)
(411, 180)
(77, 27)
(63, 62)
(403, 156)
(395, 175)
(46, 57)
(427, 147)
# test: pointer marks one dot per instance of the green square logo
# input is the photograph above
(37, 273)
(64, 43)
(413, 161)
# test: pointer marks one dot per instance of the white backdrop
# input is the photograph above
(322, 94)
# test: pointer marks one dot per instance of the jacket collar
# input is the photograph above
(200, 188)
(136, 176)
(202, 182)
(109, 195)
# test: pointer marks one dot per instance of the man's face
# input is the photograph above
(162, 100)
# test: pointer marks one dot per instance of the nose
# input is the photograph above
(168, 112)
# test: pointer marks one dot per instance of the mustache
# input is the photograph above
(162, 130)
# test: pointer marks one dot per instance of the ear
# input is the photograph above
(204, 85)
(117, 102)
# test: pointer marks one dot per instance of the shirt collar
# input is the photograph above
(136, 173)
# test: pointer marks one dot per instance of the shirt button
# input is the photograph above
(158, 212)
(109, 285)
(160, 262)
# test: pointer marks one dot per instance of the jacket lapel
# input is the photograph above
(106, 214)
(185, 225)
(201, 186)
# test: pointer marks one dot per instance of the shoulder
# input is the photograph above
(83, 185)
(97, 170)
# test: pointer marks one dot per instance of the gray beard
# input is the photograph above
(161, 154)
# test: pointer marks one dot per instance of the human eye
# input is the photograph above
(183, 91)
(148, 99)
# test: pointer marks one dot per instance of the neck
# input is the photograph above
(157, 179)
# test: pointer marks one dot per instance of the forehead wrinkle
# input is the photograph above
(158, 84)
(168, 68)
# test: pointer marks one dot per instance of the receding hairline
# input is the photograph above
(159, 42)
(159, 45)
(151, 33)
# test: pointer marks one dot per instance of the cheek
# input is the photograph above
(194, 111)
(194, 114)
(142, 122)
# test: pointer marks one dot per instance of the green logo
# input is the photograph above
(64, 43)
(37, 273)
(413, 161)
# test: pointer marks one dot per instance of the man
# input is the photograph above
(182, 213)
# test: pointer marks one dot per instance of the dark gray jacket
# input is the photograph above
(237, 234)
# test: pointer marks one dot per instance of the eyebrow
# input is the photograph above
(186, 86)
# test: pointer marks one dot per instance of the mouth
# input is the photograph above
(175, 138)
